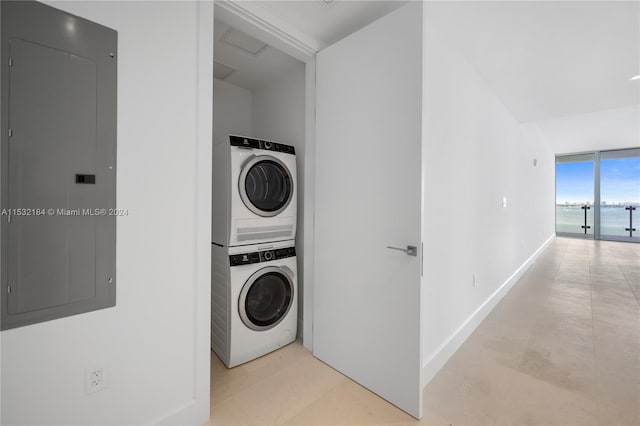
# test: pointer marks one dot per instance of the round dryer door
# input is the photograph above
(266, 298)
(265, 185)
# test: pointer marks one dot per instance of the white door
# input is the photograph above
(368, 196)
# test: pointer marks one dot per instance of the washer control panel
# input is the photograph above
(243, 142)
(261, 256)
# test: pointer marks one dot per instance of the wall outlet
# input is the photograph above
(95, 379)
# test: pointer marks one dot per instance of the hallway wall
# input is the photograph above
(475, 154)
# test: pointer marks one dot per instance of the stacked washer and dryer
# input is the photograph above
(254, 305)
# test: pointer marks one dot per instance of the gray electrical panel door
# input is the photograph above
(58, 164)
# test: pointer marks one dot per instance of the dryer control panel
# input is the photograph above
(243, 142)
(261, 256)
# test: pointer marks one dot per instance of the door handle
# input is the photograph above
(410, 250)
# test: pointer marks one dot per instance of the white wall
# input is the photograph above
(602, 130)
(154, 342)
(279, 114)
(475, 153)
(232, 110)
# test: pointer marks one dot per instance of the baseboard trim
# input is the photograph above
(431, 367)
(187, 414)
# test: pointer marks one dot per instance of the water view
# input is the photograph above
(615, 175)
(613, 220)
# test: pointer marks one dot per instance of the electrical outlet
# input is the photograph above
(95, 379)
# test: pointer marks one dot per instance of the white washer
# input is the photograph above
(254, 191)
(254, 307)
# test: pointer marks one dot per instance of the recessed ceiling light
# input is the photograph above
(635, 77)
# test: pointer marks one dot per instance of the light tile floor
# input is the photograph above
(562, 348)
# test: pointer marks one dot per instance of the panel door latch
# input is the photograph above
(410, 250)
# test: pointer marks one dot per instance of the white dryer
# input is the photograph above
(254, 191)
(254, 307)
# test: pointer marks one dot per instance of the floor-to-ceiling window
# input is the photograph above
(575, 195)
(598, 195)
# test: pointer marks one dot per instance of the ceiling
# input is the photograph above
(239, 60)
(550, 58)
(324, 23)
(597, 131)
(328, 22)
(543, 59)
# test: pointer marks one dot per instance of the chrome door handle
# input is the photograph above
(410, 250)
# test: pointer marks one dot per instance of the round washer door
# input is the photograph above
(265, 298)
(265, 185)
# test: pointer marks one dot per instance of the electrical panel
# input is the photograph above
(58, 164)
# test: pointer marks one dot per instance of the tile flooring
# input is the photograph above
(562, 348)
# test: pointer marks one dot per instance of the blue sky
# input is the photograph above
(620, 181)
